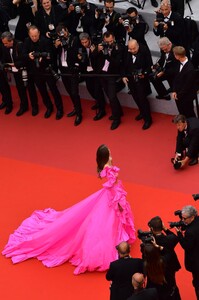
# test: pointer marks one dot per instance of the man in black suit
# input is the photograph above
(167, 239)
(120, 273)
(169, 24)
(190, 243)
(140, 293)
(13, 62)
(184, 85)
(187, 142)
(137, 67)
(108, 56)
(164, 69)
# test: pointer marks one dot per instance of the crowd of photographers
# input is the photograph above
(79, 41)
(156, 271)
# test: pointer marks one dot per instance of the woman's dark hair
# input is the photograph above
(102, 157)
(153, 263)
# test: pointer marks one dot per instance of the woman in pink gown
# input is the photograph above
(85, 234)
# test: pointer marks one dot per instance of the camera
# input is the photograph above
(64, 40)
(50, 70)
(195, 196)
(176, 163)
(136, 74)
(53, 35)
(145, 236)
(156, 69)
(96, 38)
(83, 55)
(179, 223)
(38, 55)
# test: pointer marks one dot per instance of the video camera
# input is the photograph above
(145, 236)
(179, 223)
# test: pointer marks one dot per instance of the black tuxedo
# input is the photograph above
(175, 31)
(14, 55)
(120, 273)
(139, 87)
(145, 294)
(190, 244)
(169, 66)
(190, 140)
(185, 87)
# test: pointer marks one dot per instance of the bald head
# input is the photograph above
(123, 249)
(133, 46)
(138, 281)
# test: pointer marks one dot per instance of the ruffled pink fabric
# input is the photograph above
(85, 234)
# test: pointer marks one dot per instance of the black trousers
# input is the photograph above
(138, 91)
(95, 90)
(5, 90)
(196, 283)
(71, 84)
(21, 89)
(108, 83)
(185, 107)
(42, 80)
(159, 86)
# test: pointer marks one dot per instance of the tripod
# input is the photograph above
(191, 11)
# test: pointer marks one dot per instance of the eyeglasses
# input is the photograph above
(185, 218)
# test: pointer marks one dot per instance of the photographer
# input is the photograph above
(187, 142)
(13, 62)
(134, 25)
(108, 56)
(136, 70)
(67, 50)
(37, 52)
(166, 238)
(157, 269)
(168, 23)
(88, 65)
(189, 240)
(164, 69)
(109, 20)
(5, 88)
(26, 10)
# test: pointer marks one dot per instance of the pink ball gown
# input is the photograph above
(85, 234)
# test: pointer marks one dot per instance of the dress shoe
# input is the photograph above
(165, 97)
(99, 115)
(139, 117)
(8, 110)
(35, 111)
(21, 111)
(193, 161)
(2, 105)
(95, 106)
(78, 120)
(59, 114)
(146, 125)
(48, 113)
(71, 114)
(115, 124)
(154, 3)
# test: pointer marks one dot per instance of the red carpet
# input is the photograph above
(49, 163)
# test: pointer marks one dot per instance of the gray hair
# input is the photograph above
(164, 41)
(190, 211)
(7, 35)
(84, 35)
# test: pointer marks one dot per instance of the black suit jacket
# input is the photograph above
(16, 54)
(169, 64)
(175, 32)
(145, 294)
(190, 140)
(190, 243)
(184, 83)
(120, 273)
